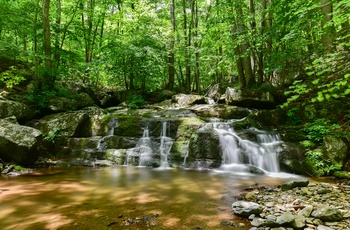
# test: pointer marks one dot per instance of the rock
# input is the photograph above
(12, 108)
(244, 208)
(327, 214)
(186, 100)
(215, 92)
(250, 98)
(84, 100)
(336, 150)
(62, 104)
(342, 174)
(285, 218)
(220, 111)
(294, 183)
(306, 212)
(19, 144)
(257, 222)
(8, 169)
(299, 222)
(68, 124)
(322, 227)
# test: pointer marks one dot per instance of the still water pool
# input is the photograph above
(122, 198)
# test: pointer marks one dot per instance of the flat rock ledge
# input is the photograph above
(296, 205)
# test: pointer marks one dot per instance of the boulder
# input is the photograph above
(294, 184)
(62, 104)
(215, 92)
(336, 150)
(220, 111)
(186, 100)
(250, 98)
(12, 108)
(84, 100)
(325, 213)
(67, 124)
(244, 208)
(342, 174)
(19, 144)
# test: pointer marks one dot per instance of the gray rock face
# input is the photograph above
(69, 124)
(186, 100)
(294, 183)
(250, 98)
(327, 214)
(285, 218)
(336, 149)
(19, 143)
(220, 111)
(11, 108)
(244, 208)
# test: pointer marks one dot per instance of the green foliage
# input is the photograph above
(11, 77)
(318, 128)
(41, 98)
(52, 135)
(307, 144)
(318, 164)
(293, 118)
(19, 168)
(136, 102)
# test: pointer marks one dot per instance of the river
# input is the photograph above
(123, 197)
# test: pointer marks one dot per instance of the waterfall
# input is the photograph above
(112, 125)
(238, 152)
(165, 146)
(143, 151)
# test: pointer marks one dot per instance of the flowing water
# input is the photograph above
(114, 198)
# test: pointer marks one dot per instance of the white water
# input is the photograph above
(143, 151)
(238, 153)
(165, 146)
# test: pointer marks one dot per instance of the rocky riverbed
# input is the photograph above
(297, 204)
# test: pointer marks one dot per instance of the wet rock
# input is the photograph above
(285, 218)
(294, 184)
(244, 208)
(8, 169)
(306, 212)
(250, 98)
(12, 108)
(327, 214)
(299, 222)
(322, 227)
(19, 144)
(342, 174)
(186, 100)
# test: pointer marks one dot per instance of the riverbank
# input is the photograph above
(297, 204)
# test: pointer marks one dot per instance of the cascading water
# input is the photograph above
(238, 152)
(165, 146)
(143, 150)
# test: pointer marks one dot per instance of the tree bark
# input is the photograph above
(328, 33)
(171, 63)
(49, 80)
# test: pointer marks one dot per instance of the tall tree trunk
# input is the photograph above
(187, 38)
(57, 55)
(49, 80)
(35, 43)
(196, 46)
(260, 51)
(328, 34)
(171, 62)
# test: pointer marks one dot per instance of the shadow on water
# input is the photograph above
(122, 198)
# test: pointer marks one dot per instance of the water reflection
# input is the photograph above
(107, 198)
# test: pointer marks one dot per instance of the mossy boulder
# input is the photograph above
(220, 111)
(336, 150)
(12, 108)
(19, 144)
(186, 100)
(251, 98)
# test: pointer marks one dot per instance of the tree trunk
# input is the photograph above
(57, 55)
(48, 76)
(328, 34)
(171, 63)
(187, 38)
(196, 46)
(260, 51)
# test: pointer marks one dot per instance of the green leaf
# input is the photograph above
(315, 82)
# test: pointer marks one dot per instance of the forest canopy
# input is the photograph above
(185, 44)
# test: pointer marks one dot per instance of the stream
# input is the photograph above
(124, 197)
